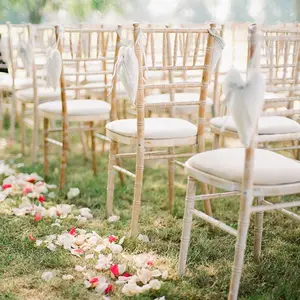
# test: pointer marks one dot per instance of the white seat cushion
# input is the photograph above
(266, 125)
(77, 107)
(44, 94)
(155, 128)
(270, 168)
(20, 83)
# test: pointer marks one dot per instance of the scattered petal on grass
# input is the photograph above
(109, 289)
(115, 248)
(80, 268)
(86, 213)
(144, 238)
(72, 231)
(47, 276)
(67, 277)
(164, 275)
(41, 198)
(51, 247)
(113, 219)
(112, 238)
(144, 275)
(51, 195)
(73, 192)
(38, 217)
(31, 237)
(89, 256)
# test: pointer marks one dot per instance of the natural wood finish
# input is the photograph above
(247, 191)
(164, 63)
(45, 137)
(187, 223)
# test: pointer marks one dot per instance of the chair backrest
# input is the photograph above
(80, 47)
(167, 39)
(16, 33)
(280, 63)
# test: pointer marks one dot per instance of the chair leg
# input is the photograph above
(13, 117)
(216, 142)
(23, 128)
(124, 108)
(35, 137)
(119, 163)
(187, 224)
(45, 136)
(84, 142)
(94, 159)
(111, 177)
(240, 246)
(206, 203)
(216, 145)
(136, 206)
(171, 177)
(2, 110)
(64, 154)
(258, 229)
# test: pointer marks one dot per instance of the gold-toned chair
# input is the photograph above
(246, 172)
(86, 112)
(166, 133)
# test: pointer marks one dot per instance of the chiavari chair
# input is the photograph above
(155, 132)
(246, 172)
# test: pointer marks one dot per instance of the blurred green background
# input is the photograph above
(155, 11)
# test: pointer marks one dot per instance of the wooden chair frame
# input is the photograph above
(86, 124)
(291, 85)
(139, 140)
(247, 191)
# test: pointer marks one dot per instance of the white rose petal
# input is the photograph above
(122, 239)
(51, 195)
(67, 277)
(80, 268)
(164, 275)
(113, 219)
(47, 276)
(104, 262)
(161, 298)
(89, 256)
(51, 247)
(155, 284)
(144, 238)
(115, 248)
(38, 243)
(86, 213)
(144, 275)
(73, 192)
(131, 289)
(156, 273)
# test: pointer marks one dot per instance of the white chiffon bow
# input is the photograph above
(26, 55)
(244, 101)
(218, 48)
(53, 66)
(127, 66)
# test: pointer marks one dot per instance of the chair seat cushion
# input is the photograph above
(77, 107)
(178, 97)
(20, 83)
(266, 125)
(44, 94)
(270, 168)
(155, 128)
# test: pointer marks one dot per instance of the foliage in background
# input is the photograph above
(187, 11)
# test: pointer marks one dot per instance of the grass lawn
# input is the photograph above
(277, 276)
